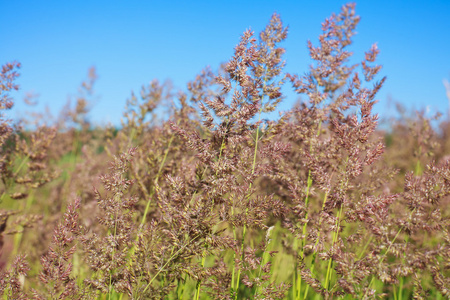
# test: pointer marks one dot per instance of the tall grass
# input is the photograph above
(216, 201)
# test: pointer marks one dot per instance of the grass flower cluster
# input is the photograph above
(216, 201)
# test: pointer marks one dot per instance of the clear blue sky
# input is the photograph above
(132, 42)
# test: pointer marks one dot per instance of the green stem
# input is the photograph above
(167, 262)
(385, 254)
(110, 288)
(365, 248)
(336, 232)
(180, 292)
(335, 238)
(266, 256)
(400, 289)
(222, 147)
(152, 192)
(235, 285)
(199, 282)
(313, 262)
(298, 283)
(147, 207)
(25, 159)
(246, 211)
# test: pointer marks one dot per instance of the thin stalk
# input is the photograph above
(25, 207)
(222, 146)
(308, 186)
(335, 238)
(242, 255)
(418, 172)
(166, 152)
(313, 262)
(233, 287)
(199, 282)
(365, 248)
(336, 233)
(250, 186)
(22, 164)
(387, 251)
(155, 181)
(147, 207)
(298, 281)
(152, 192)
(167, 262)
(266, 256)
(132, 135)
(180, 292)
(24, 160)
(110, 272)
(2, 196)
(400, 288)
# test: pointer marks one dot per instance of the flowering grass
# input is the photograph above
(217, 201)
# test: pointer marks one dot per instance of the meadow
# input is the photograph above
(218, 201)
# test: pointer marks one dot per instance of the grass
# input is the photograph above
(215, 201)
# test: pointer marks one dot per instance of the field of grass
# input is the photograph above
(216, 201)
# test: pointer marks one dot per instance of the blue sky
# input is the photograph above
(133, 42)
